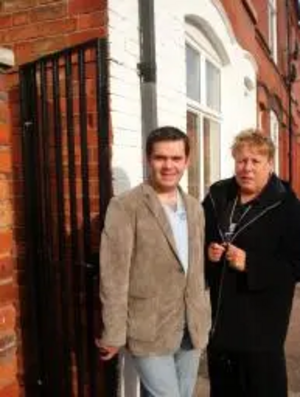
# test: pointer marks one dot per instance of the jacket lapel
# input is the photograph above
(191, 227)
(154, 205)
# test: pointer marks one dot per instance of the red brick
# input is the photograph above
(11, 390)
(13, 5)
(6, 241)
(7, 291)
(95, 19)
(17, 150)
(6, 269)
(23, 53)
(2, 35)
(40, 30)
(13, 111)
(5, 21)
(8, 370)
(80, 37)
(5, 161)
(53, 11)
(2, 82)
(79, 6)
(13, 96)
(3, 112)
(4, 134)
(12, 79)
(4, 188)
(5, 213)
(20, 18)
(7, 318)
(46, 45)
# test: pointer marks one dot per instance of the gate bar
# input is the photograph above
(76, 268)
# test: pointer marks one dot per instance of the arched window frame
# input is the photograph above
(204, 115)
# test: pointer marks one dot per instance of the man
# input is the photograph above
(253, 262)
(151, 273)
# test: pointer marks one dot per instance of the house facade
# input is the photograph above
(210, 67)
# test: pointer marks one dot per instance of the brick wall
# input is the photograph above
(272, 75)
(33, 28)
(8, 358)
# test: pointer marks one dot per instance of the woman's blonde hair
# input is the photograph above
(254, 138)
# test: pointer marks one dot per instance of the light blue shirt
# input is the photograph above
(178, 221)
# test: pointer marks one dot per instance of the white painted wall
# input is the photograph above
(125, 93)
(238, 102)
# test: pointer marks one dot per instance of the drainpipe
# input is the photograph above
(147, 71)
(289, 87)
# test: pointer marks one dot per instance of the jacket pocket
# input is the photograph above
(142, 318)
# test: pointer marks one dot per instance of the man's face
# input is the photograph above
(167, 164)
(252, 169)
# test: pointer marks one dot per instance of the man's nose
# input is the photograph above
(168, 163)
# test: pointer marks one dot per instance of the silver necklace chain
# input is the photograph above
(233, 225)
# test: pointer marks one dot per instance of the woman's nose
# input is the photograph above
(248, 165)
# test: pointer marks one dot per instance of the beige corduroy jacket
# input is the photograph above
(146, 297)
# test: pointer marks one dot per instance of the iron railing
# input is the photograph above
(67, 186)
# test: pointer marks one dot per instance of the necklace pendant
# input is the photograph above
(232, 227)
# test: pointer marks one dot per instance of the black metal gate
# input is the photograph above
(67, 182)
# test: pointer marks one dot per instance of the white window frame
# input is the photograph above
(200, 109)
(274, 135)
(272, 28)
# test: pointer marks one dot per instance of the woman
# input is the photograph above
(253, 262)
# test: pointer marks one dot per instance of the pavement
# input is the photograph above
(292, 356)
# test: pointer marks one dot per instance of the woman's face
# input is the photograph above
(252, 169)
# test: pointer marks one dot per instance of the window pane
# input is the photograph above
(213, 86)
(194, 168)
(192, 73)
(211, 146)
(274, 134)
(272, 22)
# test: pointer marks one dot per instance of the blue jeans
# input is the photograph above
(172, 375)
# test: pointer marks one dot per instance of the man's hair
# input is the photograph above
(164, 134)
(255, 138)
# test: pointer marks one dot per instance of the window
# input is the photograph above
(274, 134)
(213, 86)
(193, 73)
(203, 88)
(272, 28)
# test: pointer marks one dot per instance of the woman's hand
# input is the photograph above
(215, 252)
(236, 257)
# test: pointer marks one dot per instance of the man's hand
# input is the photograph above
(236, 257)
(106, 352)
(215, 252)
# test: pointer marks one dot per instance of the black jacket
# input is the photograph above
(251, 310)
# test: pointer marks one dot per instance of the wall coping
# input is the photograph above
(7, 58)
